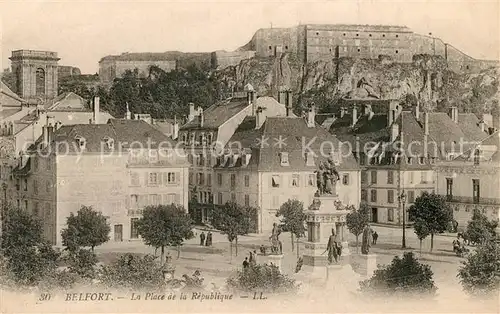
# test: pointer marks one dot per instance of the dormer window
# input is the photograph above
(409, 160)
(310, 159)
(184, 138)
(80, 141)
(421, 160)
(110, 143)
(284, 159)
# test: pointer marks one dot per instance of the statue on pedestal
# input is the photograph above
(326, 178)
(276, 246)
(333, 248)
(366, 240)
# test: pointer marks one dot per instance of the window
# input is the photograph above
(247, 180)
(409, 160)
(247, 200)
(383, 35)
(374, 177)
(18, 185)
(364, 195)
(25, 185)
(357, 35)
(390, 177)
(423, 177)
(190, 159)
(171, 178)
(36, 210)
(359, 50)
(233, 197)
(370, 35)
(410, 174)
(200, 179)
(208, 161)
(421, 160)
(373, 196)
(209, 179)
(390, 214)
(475, 191)
(18, 203)
(345, 179)
(411, 197)
(233, 180)
(26, 204)
(270, 47)
(35, 187)
(219, 179)
(390, 196)
(201, 160)
(364, 176)
(154, 199)
(219, 198)
(275, 181)
(276, 201)
(134, 179)
(295, 180)
(449, 189)
(397, 51)
(311, 180)
(190, 178)
(284, 159)
(134, 233)
(397, 35)
(134, 201)
(153, 178)
(476, 157)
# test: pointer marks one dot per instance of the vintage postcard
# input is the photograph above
(249, 156)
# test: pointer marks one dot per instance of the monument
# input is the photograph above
(368, 262)
(275, 256)
(326, 225)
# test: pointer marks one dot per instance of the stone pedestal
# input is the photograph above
(368, 264)
(274, 259)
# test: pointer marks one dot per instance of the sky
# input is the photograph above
(84, 32)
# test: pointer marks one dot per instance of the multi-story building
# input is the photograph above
(117, 168)
(208, 131)
(398, 149)
(313, 42)
(472, 180)
(111, 67)
(276, 160)
(36, 74)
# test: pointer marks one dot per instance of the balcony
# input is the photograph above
(473, 200)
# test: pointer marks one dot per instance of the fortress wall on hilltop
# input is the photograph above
(223, 59)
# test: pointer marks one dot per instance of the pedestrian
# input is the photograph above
(251, 259)
(246, 263)
(202, 238)
(262, 249)
(375, 237)
(209, 239)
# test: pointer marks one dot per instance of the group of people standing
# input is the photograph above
(206, 240)
(250, 261)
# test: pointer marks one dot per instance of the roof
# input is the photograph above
(218, 114)
(124, 132)
(469, 123)
(295, 136)
(5, 113)
(59, 100)
(489, 148)
(4, 89)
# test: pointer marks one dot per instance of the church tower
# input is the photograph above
(36, 74)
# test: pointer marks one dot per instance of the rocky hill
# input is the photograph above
(427, 79)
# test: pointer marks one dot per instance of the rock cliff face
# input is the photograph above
(427, 79)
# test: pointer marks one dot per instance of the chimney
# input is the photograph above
(481, 125)
(282, 96)
(354, 115)
(192, 113)
(201, 118)
(454, 114)
(259, 118)
(394, 131)
(416, 111)
(175, 129)
(96, 110)
(50, 133)
(311, 115)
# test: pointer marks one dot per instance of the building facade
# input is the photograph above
(277, 161)
(36, 74)
(208, 131)
(472, 181)
(111, 67)
(96, 165)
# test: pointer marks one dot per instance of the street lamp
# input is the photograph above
(402, 200)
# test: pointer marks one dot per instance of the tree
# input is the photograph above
(87, 229)
(421, 231)
(403, 276)
(234, 220)
(82, 263)
(165, 225)
(480, 272)
(356, 220)
(433, 212)
(293, 219)
(29, 257)
(264, 278)
(133, 272)
(479, 228)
